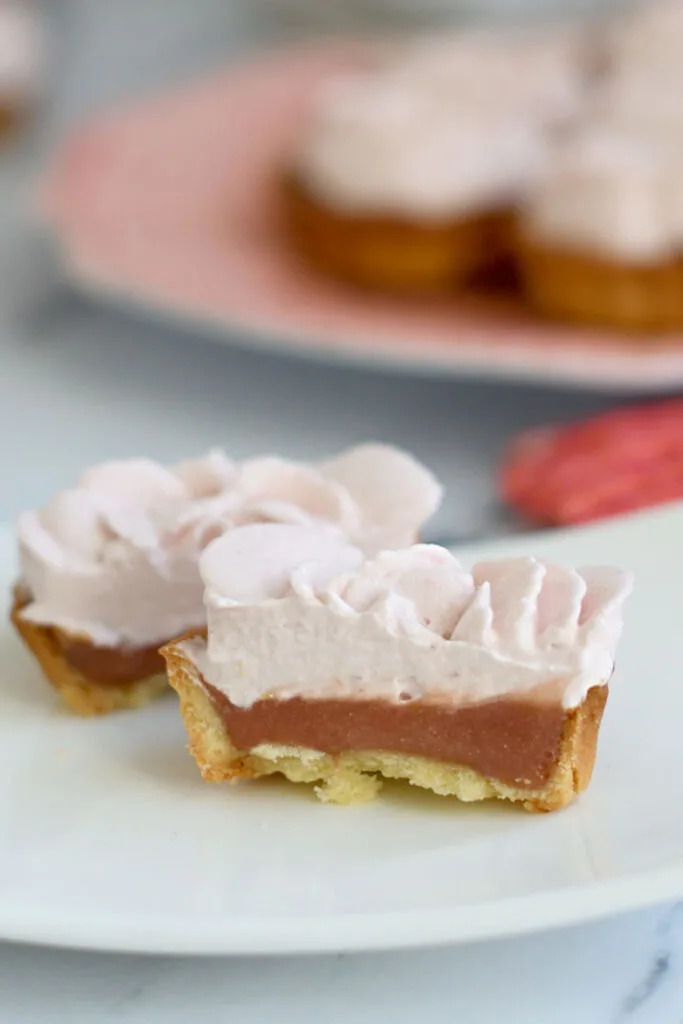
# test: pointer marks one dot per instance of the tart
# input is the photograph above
(338, 670)
(601, 239)
(409, 170)
(109, 569)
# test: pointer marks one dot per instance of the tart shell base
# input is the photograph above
(585, 289)
(392, 255)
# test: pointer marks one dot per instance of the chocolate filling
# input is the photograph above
(113, 666)
(107, 666)
(512, 739)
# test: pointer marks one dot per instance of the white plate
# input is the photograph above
(110, 840)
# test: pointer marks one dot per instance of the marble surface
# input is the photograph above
(626, 971)
(79, 384)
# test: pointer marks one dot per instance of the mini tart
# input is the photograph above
(354, 776)
(583, 288)
(109, 568)
(389, 254)
(91, 680)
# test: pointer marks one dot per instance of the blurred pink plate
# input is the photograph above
(172, 206)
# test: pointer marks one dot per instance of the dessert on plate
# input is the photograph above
(408, 173)
(601, 237)
(337, 669)
(108, 570)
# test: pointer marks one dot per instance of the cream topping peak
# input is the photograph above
(613, 189)
(115, 558)
(443, 126)
(301, 613)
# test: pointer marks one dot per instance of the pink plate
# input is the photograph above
(172, 206)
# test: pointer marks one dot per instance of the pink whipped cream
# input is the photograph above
(443, 126)
(614, 190)
(298, 611)
(115, 559)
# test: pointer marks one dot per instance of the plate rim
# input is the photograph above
(354, 933)
(379, 357)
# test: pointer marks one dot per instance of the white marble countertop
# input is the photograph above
(625, 971)
(79, 384)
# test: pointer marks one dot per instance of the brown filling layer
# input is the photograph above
(112, 666)
(107, 666)
(512, 739)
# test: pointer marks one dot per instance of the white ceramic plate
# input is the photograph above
(110, 840)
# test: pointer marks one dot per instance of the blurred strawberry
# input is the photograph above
(614, 463)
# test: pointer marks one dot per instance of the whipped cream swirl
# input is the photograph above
(616, 190)
(298, 611)
(116, 558)
(445, 126)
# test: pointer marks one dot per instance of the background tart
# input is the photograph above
(91, 680)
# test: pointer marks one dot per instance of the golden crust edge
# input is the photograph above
(389, 254)
(577, 287)
(352, 778)
(83, 696)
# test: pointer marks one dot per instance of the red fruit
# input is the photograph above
(614, 463)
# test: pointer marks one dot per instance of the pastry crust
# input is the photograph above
(83, 695)
(393, 255)
(585, 289)
(356, 776)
